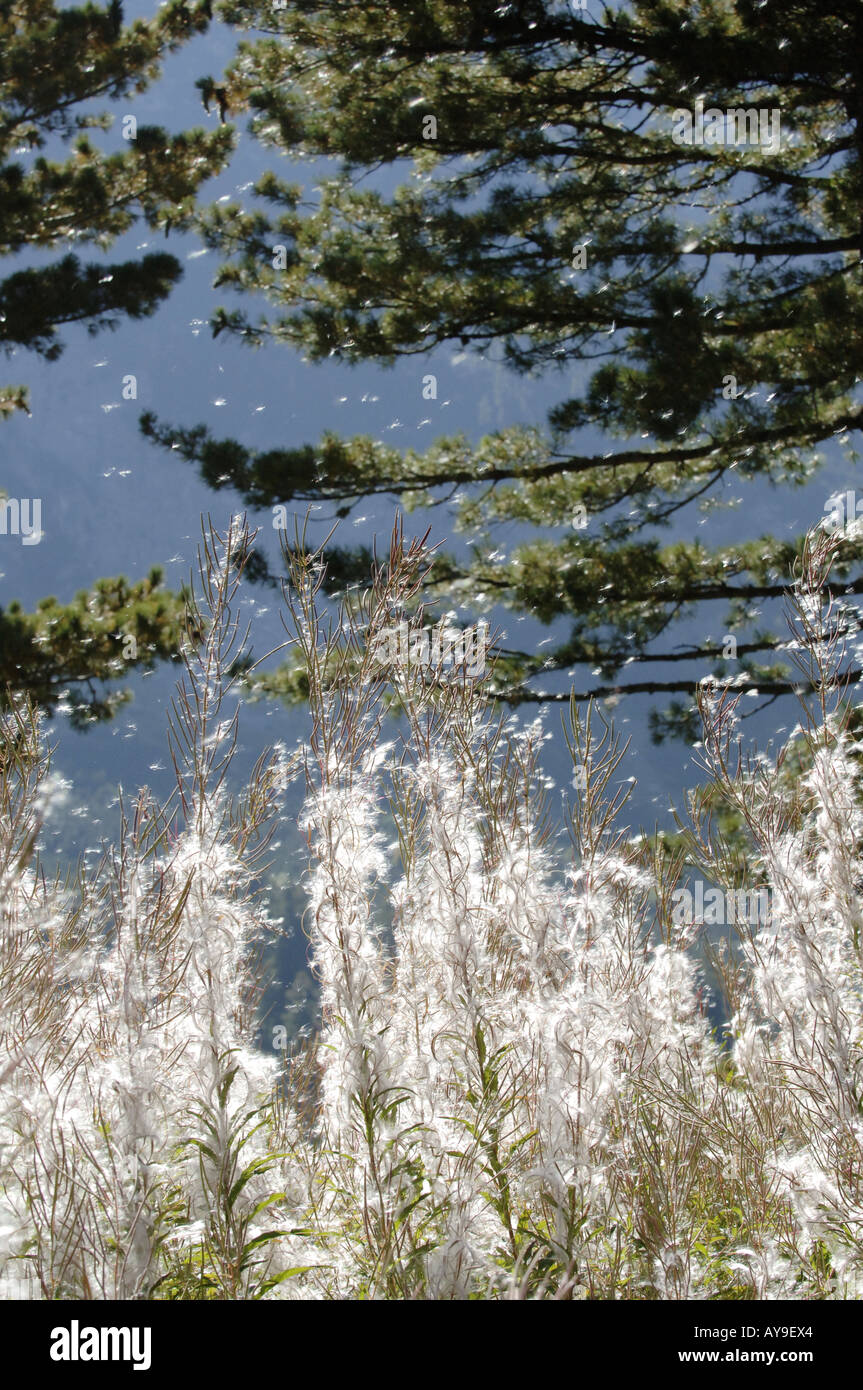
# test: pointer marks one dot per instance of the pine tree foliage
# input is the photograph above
(547, 212)
(60, 189)
(56, 63)
(68, 656)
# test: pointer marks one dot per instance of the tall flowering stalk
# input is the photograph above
(133, 1156)
(798, 1028)
(520, 1045)
(515, 1090)
(486, 1026)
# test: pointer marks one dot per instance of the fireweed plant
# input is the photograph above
(514, 1090)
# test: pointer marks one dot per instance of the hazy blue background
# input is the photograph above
(112, 503)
